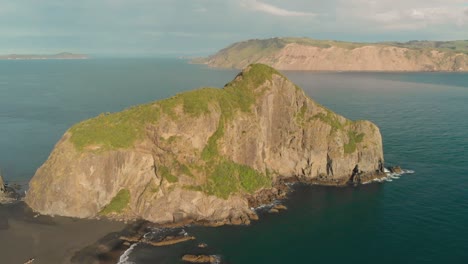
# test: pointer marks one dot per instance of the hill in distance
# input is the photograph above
(58, 56)
(330, 55)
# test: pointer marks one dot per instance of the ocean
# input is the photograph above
(420, 217)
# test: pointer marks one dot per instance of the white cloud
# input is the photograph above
(404, 14)
(272, 10)
(200, 10)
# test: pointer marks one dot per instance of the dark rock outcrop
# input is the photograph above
(2, 185)
(395, 169)
(7, 193)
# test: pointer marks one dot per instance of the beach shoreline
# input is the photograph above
(48, 239)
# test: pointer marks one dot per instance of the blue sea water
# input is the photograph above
(418, 218)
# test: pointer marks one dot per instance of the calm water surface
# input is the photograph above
(419, 218)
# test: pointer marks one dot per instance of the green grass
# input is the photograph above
(238, 95)
(229, 177)
(250, 51)
(457, 46)
(210, 151)
(354, 138)
(184, 169)
(118, 203)
(331, 119)
(299, 118)
(251, 180)
(122, 129)
(166, 174)
(116, 130)
(325, 43)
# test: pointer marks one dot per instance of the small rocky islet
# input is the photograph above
(7, 194)
(207, 156)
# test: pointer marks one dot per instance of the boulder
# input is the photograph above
(395, 169)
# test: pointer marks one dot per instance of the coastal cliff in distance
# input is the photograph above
(59, 56)
(323, 55)
(206, 155)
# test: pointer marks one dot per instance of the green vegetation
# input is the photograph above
(299, 118)
(211, 149)
(118, 203)
(166, 174)
(448, 46)
(116, 130)
(122, 129)
(331, 119)
(238, 95)
(251, 51)
(229, 177)
(185, 170)
(324, 43)
(354, 138)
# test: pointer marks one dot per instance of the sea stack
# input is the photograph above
(2, 185)
(203, 155)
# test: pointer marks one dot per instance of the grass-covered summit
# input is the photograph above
(202, 155)
(122, 129)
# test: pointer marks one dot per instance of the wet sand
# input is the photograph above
(50, 240)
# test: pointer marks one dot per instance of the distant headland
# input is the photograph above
(305, 54)
(58, 56)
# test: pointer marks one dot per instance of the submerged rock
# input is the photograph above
(205, 156)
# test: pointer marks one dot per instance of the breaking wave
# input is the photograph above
(124, 258)
(391, 176)
(217, 259)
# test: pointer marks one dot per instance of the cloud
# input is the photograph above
(200, 10)
(272, 10)
(403, 15)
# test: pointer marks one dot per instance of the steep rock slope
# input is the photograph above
(200, 155)
(315, 55)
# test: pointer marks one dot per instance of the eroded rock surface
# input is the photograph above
(312, 55)
(204, 155)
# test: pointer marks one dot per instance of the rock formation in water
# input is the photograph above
(319, 55)
(2, 185)
(7, 194)
(203, 155)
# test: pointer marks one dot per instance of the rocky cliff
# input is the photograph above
(316, 55)
(202, 155)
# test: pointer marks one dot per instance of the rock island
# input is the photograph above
(205, 156)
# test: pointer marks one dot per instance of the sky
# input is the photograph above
(201, 27)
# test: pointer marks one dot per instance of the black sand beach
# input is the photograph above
(47, 239)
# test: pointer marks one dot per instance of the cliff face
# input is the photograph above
(201, 154)
(306, 54)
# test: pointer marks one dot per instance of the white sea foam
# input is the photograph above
(124, 259)
(392, 176)
(217, 259)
